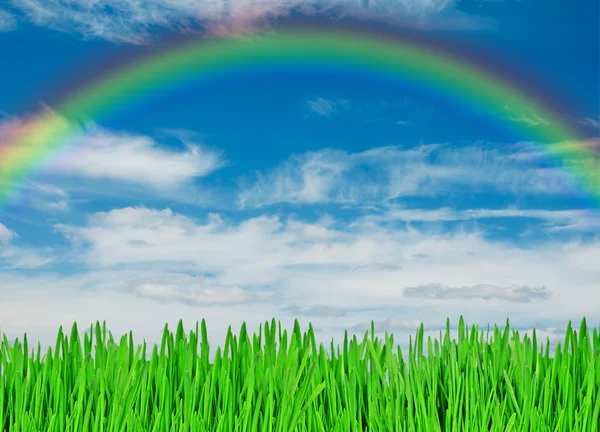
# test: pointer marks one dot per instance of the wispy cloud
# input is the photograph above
(131, 21)
(592, 122)
(386, 173)
(480, 291)
(7, 21)
(15, 257)
(48, 198)
(327, 107)
(115, 20)
(530, 119)
(558, 220)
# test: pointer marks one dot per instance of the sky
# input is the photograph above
(324, 196)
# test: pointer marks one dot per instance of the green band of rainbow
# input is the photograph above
(343, 49)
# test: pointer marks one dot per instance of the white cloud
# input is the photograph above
(100, 154)
(7, 21)
(328, 266)
(6, 235)
(327, 107)
(308, 178)
(143, 267)
(385, 173)
(130, 21)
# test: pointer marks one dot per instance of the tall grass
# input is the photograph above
(280, 381)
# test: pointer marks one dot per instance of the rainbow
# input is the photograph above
(27, 150)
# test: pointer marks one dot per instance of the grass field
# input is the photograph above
(283, 381)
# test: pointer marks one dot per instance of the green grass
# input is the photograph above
(280, 381)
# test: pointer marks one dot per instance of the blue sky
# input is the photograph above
(339, 199)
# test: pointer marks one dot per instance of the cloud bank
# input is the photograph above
(331, 263)
(140, 267)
